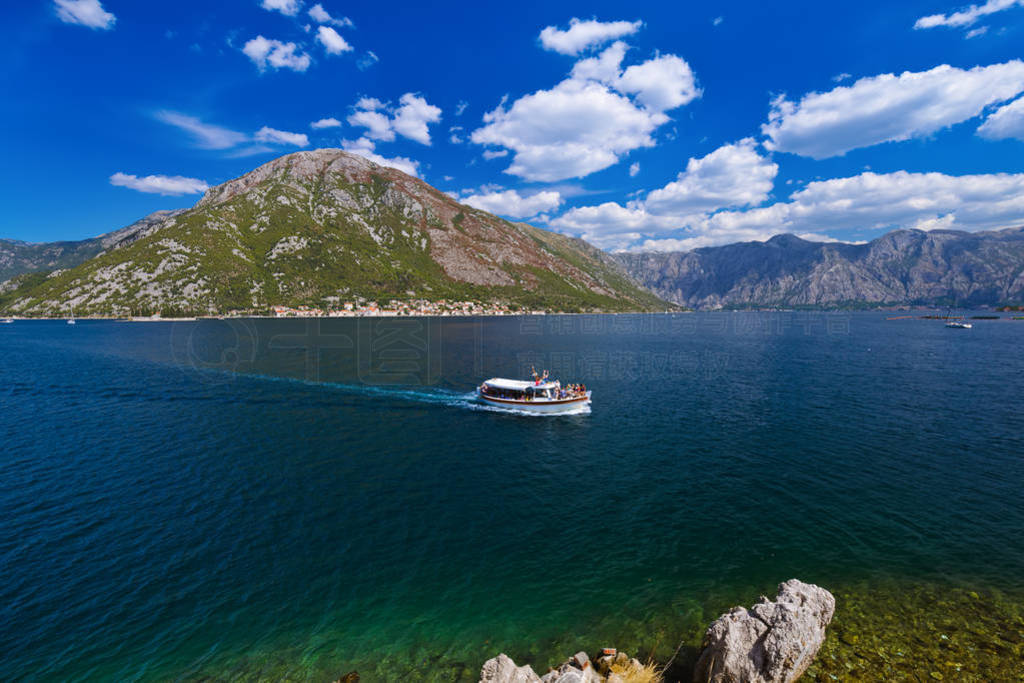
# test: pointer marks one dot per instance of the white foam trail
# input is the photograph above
(467, 400)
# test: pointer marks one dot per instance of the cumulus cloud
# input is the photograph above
(410, 119)
(588, 121)
(286, 7)
(366, 149)
(377, 124)
(512, 204)
(1005, 122)
(322, 16)
(661, 83)
(85, 13)
(966, 17)
(332, 42)
(160, 184)
(583, 35)
(325, 123)
(888, 108)
(875, 201)
(634, 168)
(206, 136)
(495, 153)
(281, 137)
(263, 51)
(732, 176)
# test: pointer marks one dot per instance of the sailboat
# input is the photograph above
(71, 320)
(958, 323)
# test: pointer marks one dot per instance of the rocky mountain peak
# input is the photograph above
(298, 166)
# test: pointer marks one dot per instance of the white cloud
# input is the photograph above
(410, 119)
(869, 201)
(332, 42)
(510, 203)
(263, 51)
(660, 84)
(461, 107)
(286, 7)
(570, 131)
(888, 108)
(369, 103)
(976, 32)
(367, 60)
(1005, 122)
(495, 153)
(872, 201)
(839, 78)
(160, 184)
(588, 121)
(634, 168)
(365, 148)
(731, 176)
(966, 17)
(85, 13)
(281, 137)
(717, 21)
(325, 123)
(207, 136)
(605, 67)
(613, 222)
(320, 15)
(582, 35)
(377, 124)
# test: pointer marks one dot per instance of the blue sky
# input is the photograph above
(640, 126)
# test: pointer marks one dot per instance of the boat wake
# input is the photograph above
(431, 395)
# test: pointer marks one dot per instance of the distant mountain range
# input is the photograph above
(942, 267)
(322, 227)
(18, 257)
(316, 228)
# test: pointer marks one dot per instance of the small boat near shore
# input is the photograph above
(534, 397)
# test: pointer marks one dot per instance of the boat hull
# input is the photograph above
(539, 406)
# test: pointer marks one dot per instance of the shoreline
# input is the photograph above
(886, 630)
(538, 314)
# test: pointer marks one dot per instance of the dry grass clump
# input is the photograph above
(635, 672)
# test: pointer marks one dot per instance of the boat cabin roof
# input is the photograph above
(518, 384)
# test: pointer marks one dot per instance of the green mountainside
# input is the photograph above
(17, 257)
(321, 227)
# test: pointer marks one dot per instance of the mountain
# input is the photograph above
(944, 267)
(18, 257)
(318, 227)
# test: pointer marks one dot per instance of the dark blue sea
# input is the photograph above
(291, 499)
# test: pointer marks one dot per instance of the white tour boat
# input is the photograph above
(535, 397)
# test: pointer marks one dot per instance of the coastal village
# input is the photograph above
(363, 308)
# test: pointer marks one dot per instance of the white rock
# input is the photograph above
(502, 669)
(770, 642)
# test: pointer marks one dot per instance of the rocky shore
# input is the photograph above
(771, 642)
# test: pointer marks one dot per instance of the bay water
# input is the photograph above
(295, 499)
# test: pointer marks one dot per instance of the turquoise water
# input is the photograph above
(297, 499)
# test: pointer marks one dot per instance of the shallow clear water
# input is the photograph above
(296, 499)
